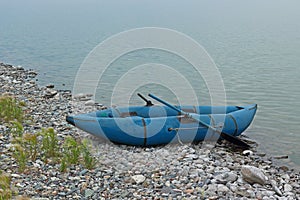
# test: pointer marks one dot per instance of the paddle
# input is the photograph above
(148, 102)
(196, 117)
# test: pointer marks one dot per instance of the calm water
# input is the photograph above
(255, 44)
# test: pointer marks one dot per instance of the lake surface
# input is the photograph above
(255, 45)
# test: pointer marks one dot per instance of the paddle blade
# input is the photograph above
(234, 140)
(225, 136)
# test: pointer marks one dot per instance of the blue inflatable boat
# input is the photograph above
(154, 125)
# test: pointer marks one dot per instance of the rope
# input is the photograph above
(178, 138)
(192, 128)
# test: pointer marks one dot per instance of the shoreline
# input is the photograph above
(177, 171)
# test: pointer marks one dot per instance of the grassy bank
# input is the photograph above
(43, 145)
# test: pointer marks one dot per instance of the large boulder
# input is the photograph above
(253, 175)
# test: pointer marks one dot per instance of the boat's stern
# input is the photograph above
(70, 120)
(86, 123)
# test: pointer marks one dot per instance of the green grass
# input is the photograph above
(71, 150)
(21, 156)
(16, 129)
(76, 152)
(89, 161)
(42, 145)
(45, 145)
(63, 164)
(5, 190)
(10, 109)
(31, 144)
(49, 146)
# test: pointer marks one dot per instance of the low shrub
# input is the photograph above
(10, 109)
(71, 150)
(21, 156)
(16, 129)
(89, 161)
(50, 147)
(31, 144)
(5, 190)
(43, 145)
(77, 152)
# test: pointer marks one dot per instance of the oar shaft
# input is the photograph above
(166, 103)
(180, 111)
(142, 97)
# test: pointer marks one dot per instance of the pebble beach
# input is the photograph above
(174, 171)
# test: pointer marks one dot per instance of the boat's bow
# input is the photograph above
(244, 117)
